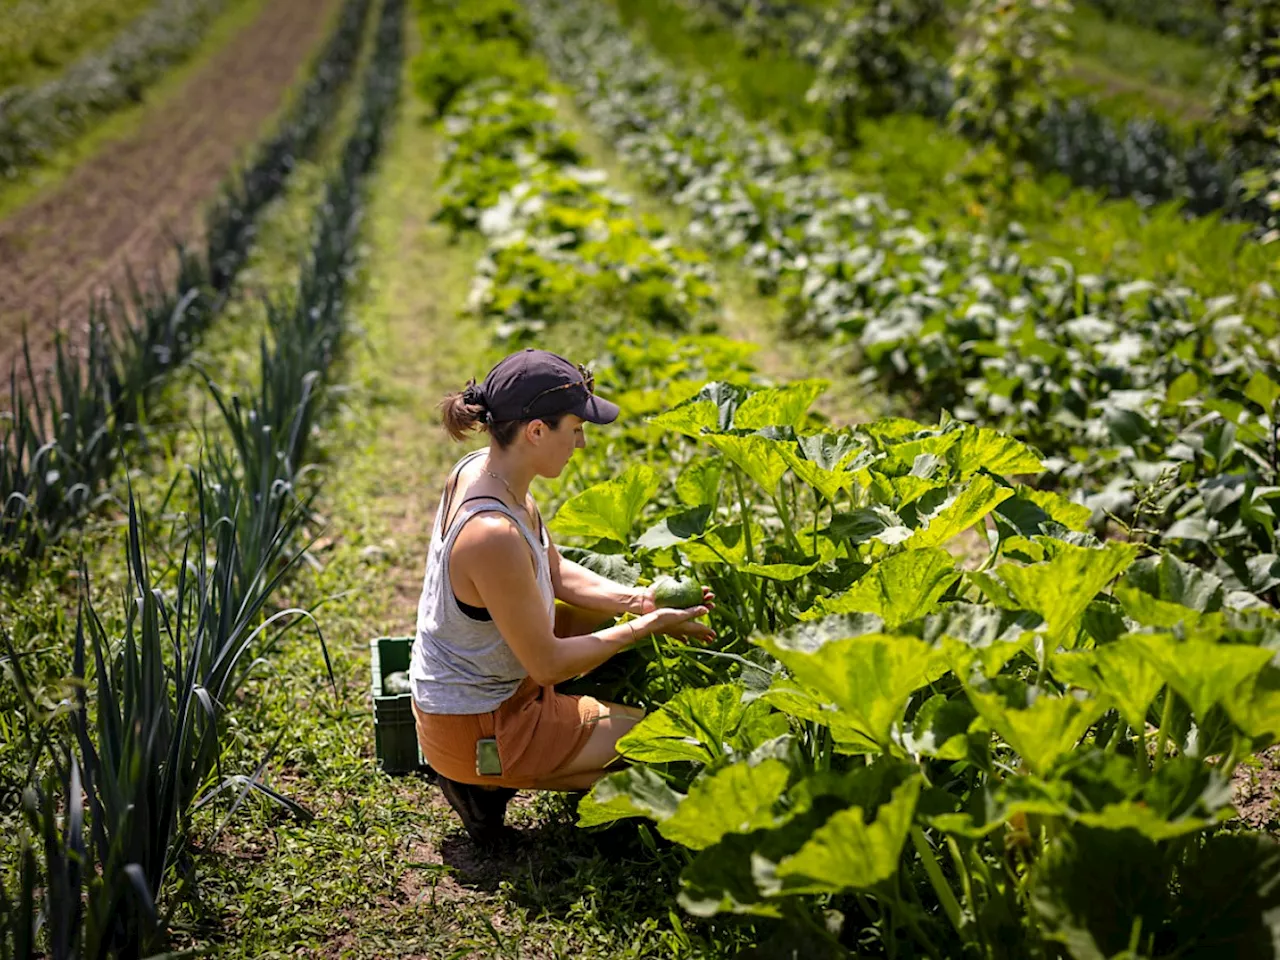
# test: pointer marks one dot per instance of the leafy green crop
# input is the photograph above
(937, 703)
(1154, 405)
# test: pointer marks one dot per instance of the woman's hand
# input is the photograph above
(674, 622)
(648, 604)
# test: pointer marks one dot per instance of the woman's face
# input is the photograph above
(553, 448)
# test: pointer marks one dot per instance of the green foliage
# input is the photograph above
(39, 35)
(66, 429)
(1250, 97)
(470, 42)
(1007, 57)
(34, 120)
(870, 54)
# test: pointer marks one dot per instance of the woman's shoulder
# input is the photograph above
(489, 537)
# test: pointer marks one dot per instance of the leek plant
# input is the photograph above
(60, 441)
(138, 751)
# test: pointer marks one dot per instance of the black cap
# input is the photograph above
(536, 383)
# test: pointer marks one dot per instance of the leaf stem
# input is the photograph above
(939, 883)
(1166, 719)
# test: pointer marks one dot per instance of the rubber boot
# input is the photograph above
(483, 810)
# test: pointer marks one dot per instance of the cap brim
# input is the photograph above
(596, 410)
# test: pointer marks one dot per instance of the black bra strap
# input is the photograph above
(452, 486)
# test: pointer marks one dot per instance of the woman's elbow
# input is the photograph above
(545, 675)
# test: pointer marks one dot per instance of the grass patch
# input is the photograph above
(1160, 64)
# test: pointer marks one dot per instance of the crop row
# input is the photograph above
(39, 35)
(1154, 405)
(887, 751)
(560, 244)
(62, 439)
(1139, 158)
(137, 750)
(36, 120)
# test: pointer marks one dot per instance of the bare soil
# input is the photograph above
(122, 208)
(1257, 792)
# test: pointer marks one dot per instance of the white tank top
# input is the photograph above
(461, 665)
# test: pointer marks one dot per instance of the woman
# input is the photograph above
(491, 642)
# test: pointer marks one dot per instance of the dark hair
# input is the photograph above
(461, 418)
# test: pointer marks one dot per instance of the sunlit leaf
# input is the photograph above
(633, 792)
(898, 589)
(1059, 589)
(609, 510)
(849, 853)
(784, 406)
(738, 798)
(1203, 673)
(869, 677)
(759, 458)
(699, 724)
(968, 507)
(1041, 728)
(981, 448)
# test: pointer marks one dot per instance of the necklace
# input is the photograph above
(504, 483)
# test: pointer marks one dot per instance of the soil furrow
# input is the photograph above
(121, 209)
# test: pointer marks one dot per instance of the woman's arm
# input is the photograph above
(494, 556)
(581, 587)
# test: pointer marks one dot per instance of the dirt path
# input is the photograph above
(122, 206)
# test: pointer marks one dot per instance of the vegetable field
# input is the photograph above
(997, 660)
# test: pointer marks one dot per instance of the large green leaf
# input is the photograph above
(609, 510)
(1118, 670)
(820, 460)
(723, 544)
(869, 677)
(778, 406)
(849, 852)
(875, 522)
(700, 724)
(633, 792)
(796, 700)
(691, 419)
(981, 448)
(1030, 510)
(676, 528)
(1039, 727)
(968, 507)
(1151, 611)
(1061, 588)
(758, 457)
(899, 589)
(738, 798)
(1203, 673)
(1167, 578)
(699, 482)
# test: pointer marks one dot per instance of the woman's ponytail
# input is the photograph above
(464, 411)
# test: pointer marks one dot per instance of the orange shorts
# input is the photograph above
(538, 731)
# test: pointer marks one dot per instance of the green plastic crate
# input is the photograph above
(395, 735)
